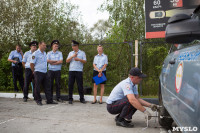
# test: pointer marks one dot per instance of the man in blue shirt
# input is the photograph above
(28, 72)
(124, 99)
(55, 60)
(38, 65)
(76, 58)
(17, 70)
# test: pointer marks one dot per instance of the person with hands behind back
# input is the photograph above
(29, 77)
(124, 99)
(38, 66)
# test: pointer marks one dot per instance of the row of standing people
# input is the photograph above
(35, 63)
(123, 101)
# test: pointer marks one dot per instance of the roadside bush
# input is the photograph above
(5, 74)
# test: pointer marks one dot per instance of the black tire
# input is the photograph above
(164, 117)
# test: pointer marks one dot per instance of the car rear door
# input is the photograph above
(181, 85)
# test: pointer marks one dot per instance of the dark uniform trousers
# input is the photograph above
(42, 79)
(122, 107)
(57, 76)
(78, 76)
(17, 73)
(29, 77)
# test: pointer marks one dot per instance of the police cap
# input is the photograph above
(137, 72)
(74, 43)
(55, 42)
(33, 43)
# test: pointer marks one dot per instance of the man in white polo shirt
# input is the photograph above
(76, 58)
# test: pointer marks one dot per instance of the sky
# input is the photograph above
(89, 12)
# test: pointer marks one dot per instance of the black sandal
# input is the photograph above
(94, 102)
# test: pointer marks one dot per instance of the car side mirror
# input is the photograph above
(182, 28)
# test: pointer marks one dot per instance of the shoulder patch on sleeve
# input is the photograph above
(33, 57)
(128, 86)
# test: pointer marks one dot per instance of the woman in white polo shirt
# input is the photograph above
(100, 63)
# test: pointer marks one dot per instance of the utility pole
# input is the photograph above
(136, 53)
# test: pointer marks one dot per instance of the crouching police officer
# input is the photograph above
(28, 72)
(39, 68)
(17, 70)
(55, 60)
(124, 99)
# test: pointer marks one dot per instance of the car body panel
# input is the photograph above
(180, 86)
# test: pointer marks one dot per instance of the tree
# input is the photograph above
(23, 21)
(43, 20)
(127, 17)
(100, 29)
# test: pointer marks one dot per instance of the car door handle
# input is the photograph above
(172, 62)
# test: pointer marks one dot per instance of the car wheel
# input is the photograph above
(164, 117)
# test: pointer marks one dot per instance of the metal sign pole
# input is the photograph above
(141, 66)
(136, 53)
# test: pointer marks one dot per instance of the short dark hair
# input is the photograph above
(18, 45)
(41, 42)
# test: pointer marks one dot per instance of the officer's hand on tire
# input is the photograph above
(147, 115)
(153, 107)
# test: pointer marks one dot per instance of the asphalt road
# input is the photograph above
(19, 117)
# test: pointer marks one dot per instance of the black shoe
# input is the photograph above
(83, 101)
(128, 121)
(100, 102)
(124, 123)
(25, 100)
(59, 100)
(94, 102)
(52, 102)
(70, 102)
(39, 103)
(116, 117)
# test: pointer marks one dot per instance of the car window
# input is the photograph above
(196, 14)
(176, 47)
